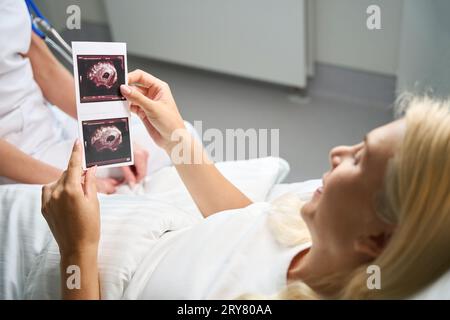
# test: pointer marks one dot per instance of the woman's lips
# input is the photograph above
(318, 191)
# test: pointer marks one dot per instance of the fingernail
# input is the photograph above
(125, 89)
(94, 170)
(77, 143)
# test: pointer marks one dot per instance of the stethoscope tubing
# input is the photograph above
(44, 30)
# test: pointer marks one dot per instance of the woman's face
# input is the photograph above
(341, 216)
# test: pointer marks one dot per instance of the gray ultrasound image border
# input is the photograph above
(83, 70)
(91, 155)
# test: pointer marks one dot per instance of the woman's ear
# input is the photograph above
(372, 245)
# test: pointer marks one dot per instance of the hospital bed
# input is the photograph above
(128, 229)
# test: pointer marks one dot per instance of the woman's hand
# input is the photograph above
(152, 100)
(135, 173)
(107, 185)
(71, 208)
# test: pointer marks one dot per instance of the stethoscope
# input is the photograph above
(44, 29)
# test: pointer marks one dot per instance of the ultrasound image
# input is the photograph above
(103, 74)
(108, 137)
(106, 141)
(100, 77)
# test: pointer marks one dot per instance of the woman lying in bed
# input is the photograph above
(384, 202)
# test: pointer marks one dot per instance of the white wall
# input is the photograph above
(425, 47)
(344, 40)
(258, 39)
(55, 10)
(340, 26)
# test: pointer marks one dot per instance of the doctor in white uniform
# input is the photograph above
(34, 143)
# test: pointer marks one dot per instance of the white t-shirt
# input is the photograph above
(229, 254)
(25, 118)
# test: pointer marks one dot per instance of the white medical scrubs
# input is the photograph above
(27, 120)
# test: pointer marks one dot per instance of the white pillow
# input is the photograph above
(254, 177)
(438, 290)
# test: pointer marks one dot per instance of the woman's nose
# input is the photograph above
(336, 155)
(334, 161)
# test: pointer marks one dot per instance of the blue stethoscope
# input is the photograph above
(44, 29)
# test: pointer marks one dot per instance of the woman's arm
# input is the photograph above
(211, 191)
(153, 102)
(23, 168)
(55, 81)
(86, 264)
(20, 167)
(71, 208)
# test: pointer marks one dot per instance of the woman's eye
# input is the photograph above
(357, 158)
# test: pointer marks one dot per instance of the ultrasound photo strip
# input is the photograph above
(103, 113)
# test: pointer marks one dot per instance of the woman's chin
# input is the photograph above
(308, 209)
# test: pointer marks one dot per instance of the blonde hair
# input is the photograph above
(415, 198)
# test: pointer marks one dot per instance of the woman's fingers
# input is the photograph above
(149, 85)
(107, 185)
(134, 108)
(143, 78)
(129, 175)
(111, 186)
(45, 197)
(140, 162)
(140, 113)
(74, 170)
(90, 183)
(134, 174)
(142, 90)
(135, 97)
(141, 169)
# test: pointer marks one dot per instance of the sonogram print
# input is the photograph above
(103, 73)
(106, 141)
(106, 137)
(100, 77)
